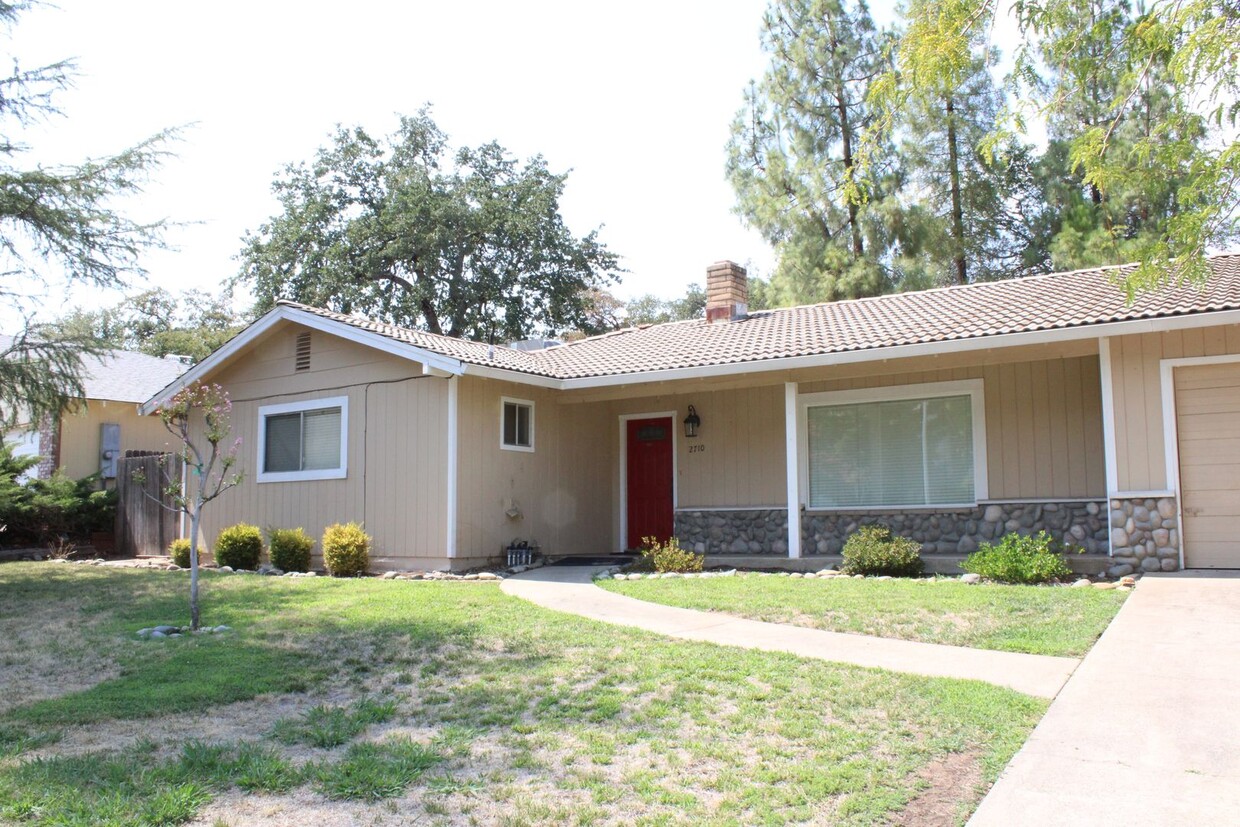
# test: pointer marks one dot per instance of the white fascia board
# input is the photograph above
(315, 322)
(1003, 340)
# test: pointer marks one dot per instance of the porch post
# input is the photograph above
(450, 471)
(1108, 430)
(793, 461)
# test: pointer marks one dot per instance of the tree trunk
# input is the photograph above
(195, 519)
(953, 160)
(858, 246)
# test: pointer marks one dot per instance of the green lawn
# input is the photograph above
(450, 703)
(1040, 620)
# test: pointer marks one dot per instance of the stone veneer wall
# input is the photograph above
(753, 531)
(49, 450)
(1079, 524)
(1144, 535)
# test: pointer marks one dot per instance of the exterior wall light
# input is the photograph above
(692, 422)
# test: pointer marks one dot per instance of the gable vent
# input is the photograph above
(302, 361)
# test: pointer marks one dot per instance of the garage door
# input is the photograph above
(1207, 402)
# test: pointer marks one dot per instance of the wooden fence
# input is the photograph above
(144, 526)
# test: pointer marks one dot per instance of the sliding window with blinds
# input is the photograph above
(902, 452)
(302, 440)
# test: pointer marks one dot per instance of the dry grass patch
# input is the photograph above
(495, 712)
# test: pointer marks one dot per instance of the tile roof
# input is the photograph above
(1037, 303)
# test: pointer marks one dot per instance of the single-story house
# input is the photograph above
(90, 435)
(953, 415)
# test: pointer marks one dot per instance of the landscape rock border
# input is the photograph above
(1126, 583)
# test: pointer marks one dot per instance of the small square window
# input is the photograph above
(517, 425)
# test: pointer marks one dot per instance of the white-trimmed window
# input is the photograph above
(305, 440)
(910, 446)
(516, 424)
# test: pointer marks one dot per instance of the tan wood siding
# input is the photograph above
(1208, 423)
(396, 447)
(81, 444)
(561, 488)
(1140, 450)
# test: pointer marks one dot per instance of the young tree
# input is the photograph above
(469, 244)
(58, 224)
(199, 417)
(1107, 95)
(792, 155)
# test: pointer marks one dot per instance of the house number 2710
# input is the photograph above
(696, 449)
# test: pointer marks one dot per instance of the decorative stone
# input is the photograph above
(1168, 564)
(390, 575)
(225, 569)
(1104, 586)
(1119, 570)
(993, 513)
(1128, 581)
(490, 575)
(1162, 537)
(1082, 583)
(1119, 537)
(967, 545)
(1166, 508)
(1152, 564)
(971, 578)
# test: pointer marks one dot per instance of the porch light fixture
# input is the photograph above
(692, 421)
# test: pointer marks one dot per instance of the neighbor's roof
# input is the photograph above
(974, 311)
(125, 376)
(122, 375)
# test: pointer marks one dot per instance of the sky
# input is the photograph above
(635, 99)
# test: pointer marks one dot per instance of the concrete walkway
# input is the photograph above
(570, 589)
(1148, 729)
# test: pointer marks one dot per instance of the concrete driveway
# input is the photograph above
(1147, 730)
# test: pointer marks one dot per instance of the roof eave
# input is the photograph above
(282, 313)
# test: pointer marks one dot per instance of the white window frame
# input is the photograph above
(341, 402)
(973, 388)
(511, 400)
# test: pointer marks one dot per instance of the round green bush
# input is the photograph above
(346, 550)
(1018, 558)
(872, 550)
(239, 546)
(178, 550)
(290, 549)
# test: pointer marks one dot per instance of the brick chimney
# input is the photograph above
(727, 292)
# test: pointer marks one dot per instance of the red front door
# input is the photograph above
(648, 479)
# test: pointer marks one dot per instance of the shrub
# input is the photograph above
(346, 550)
(239, 546)
(290, 549)
(47, 512)
(178, 550)
(872, 550)
(669, 556)
(1019, 559)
